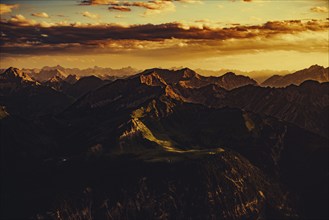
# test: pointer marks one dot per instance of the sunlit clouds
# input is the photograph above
(90, 15)
(40, 15)
(199, 34)
(6, 8)
(319, 9)
(167, 32)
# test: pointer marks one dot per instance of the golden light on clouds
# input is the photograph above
(90, 15)
(141, 30)
(319, 9)
(6, 8)
(40, 15)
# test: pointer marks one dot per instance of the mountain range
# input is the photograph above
(315, 72)
(164, 144)
(276, 79)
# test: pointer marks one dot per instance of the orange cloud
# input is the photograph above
(151, 6)
(190, 1)
(120, 8)
(6, 8)
(98, 2)
(319, 9)
(40, 15)
(90, 15)
(167, 38)
(20, 20)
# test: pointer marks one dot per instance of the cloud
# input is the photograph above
(319, 9)
(98, 2)
(90, 15)
(120, 8)
(24, 36)
(40, 15)
(20, 20)
(190, 1)
(119, 16)
(6, 8)
(151, 6)
(181, 30)
(141, 3)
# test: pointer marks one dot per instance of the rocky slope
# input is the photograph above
(305, 105)
(23, 96)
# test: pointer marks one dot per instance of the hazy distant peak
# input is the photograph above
(315, 66)
(314, 72)
(188, 73)
(187, 69)
(229, 74)
(71, 79)
(47, 68)
(50, 74)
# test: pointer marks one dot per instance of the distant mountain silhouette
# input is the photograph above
(71, 79)
(315, 72)
(101, 72)
(190, 79)
(84, 85)
(49, 75)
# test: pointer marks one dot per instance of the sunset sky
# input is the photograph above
(246, 35)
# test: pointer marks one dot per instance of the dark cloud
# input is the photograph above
(40, 15)
(21, 36)
(98, 2)
(151, 6)
(120, 8)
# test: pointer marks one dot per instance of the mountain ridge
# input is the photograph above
(315, 72)
(172, 141)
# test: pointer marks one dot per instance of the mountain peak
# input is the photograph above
(12, 70)
(15, 73)
(229, 74)
(49, 74)
(187, 69)
(72, 78)
(315, 66)
(314, 72)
